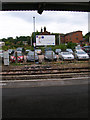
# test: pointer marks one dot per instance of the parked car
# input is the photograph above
(78, 47)
(20, 57)
(27, 50)
(81, 55)
(38, 51)
(66, 56)
(11, 51)
(57, 51)
(20, 49)
(30, 57)
(50, 55)
(13, 57)
(47, 49)
(87, 49)
(69, 50)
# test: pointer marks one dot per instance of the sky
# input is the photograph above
(20, 23)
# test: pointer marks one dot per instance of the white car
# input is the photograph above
(66, 56)
(57, 51)
(69, 50)
(81, 55)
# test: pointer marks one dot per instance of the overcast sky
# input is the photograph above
(20, 23)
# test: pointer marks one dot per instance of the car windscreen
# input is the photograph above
(49, 53)
(81, 52)
(31, 53)
(19, 54)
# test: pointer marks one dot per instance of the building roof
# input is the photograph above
(72, 32)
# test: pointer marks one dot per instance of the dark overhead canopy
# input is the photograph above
(49, 6)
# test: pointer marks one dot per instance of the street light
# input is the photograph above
(34, 36)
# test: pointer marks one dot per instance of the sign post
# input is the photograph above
(34, 37)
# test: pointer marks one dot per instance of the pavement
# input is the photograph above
(44, 82)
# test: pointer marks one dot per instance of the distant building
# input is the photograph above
(74, 37)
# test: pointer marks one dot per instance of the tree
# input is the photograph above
(87, 36)
(71, 45)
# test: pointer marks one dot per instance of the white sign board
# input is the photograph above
(45, 40)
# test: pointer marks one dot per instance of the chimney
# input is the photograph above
(41, 30)
(44, 29)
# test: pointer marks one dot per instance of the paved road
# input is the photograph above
(46, 102)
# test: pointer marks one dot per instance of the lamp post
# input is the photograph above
(34, 36)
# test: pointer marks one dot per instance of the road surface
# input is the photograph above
(69, 101)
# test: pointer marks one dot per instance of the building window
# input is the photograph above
(76, 38)
(76, 34)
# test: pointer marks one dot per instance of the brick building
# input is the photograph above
(74, 37)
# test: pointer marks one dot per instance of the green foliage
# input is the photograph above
(5, 48)
(63, 46)
(87, 36)
(71, 45)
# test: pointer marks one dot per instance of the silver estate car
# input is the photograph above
(30, 57)
(66, 56)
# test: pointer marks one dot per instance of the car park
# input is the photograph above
(57, 51)
(38, 51)
(81, 55)
(66, 56)
(20, 57)
(30, 57)
(50, 55)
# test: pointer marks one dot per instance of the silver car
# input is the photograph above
(66, 56)
(30, 57)
(50, 55)
(81, 55)
(57, 51)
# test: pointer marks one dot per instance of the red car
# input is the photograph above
(20, 57)
(13, 58)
